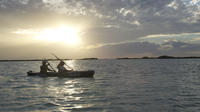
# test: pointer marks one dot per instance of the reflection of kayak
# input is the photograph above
(74, 74)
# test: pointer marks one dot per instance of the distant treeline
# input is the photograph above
(146, 57)
(32, 60)
(89, 59)
(47, 59)
(163, 57)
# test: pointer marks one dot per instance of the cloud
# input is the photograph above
(109, 23)
(134, 49)
(170, 35)
(39, 50)
(196, 39)
(140, 49)
(182, 37)
(183, 49)
(25, 32)
(194, 2)
(128, 14)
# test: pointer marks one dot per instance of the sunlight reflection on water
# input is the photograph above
(74, 106)
(118, 86)
(70, 63)
(68, 92)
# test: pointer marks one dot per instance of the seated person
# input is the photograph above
(61, 67)
(44, 67)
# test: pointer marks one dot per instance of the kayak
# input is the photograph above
(73, 74)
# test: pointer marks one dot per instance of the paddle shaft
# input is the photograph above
(61, 60)
(51, 66)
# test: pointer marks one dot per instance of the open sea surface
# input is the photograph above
(138, 85)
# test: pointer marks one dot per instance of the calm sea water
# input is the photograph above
(118, 86)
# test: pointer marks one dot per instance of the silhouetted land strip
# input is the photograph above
(47, 59)
(127, 58)
(89, 59)
(33, 60)
(123, 58)
(162, 57)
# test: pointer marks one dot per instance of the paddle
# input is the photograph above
(61, 60)
(50, 66)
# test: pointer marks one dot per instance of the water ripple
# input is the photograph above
(118, 86)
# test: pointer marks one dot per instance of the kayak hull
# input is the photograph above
(73, 74)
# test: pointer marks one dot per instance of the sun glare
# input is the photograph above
(66, 35)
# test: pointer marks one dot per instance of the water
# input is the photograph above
(118, 86)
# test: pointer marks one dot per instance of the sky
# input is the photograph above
(31, 29)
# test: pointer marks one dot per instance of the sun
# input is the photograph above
(64, 34)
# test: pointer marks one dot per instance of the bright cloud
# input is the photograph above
(25, 32)
(108, 23)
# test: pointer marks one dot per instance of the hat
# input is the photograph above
(62, 62)
(44, 61)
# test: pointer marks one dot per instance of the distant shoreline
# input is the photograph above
(162, 57)
(123, 58)
(31, 60)
(47, 59)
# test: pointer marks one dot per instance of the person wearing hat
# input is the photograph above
(61, 67)
(44, 67)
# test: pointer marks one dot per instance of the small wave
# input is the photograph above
(23, 86)
(3, 78)
(50, 104)
(77, 106)
(178, 106)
